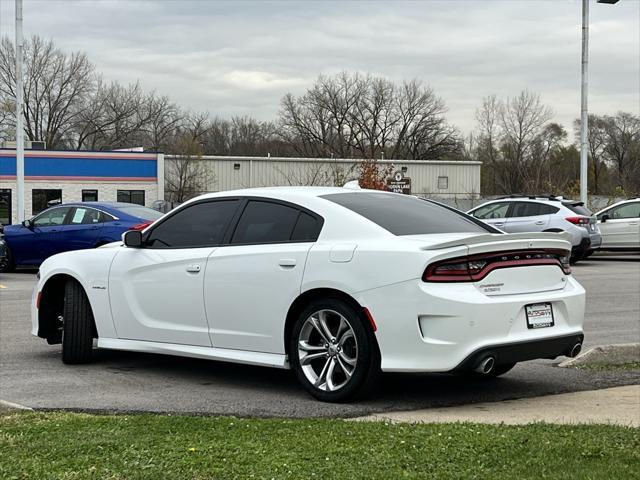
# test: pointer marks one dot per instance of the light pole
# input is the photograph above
(19, 118)
(584, 114)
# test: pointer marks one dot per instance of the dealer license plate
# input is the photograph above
(539, 315)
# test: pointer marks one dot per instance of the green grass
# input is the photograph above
(600, 367)
(74, 446)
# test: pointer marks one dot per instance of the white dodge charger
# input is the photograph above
(336, 284)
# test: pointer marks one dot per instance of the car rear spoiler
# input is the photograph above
(562, 238)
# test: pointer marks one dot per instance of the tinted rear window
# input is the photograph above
(532, 209)
(406, 215)
(307, 229)
(578, 208)
(141, 212)
(265, 222)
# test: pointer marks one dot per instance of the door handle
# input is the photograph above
(540, 223)
(193, 268)
(287, 262)
(498, 224)
(633, 223)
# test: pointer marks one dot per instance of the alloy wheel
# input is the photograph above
(328, 350)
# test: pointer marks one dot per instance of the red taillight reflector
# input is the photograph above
(38, 297)
(474, 268)
(578, 220)
(367, 314)
(140, 226)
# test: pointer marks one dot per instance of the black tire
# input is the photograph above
(78, 325)
(366, 371)
(8, 265)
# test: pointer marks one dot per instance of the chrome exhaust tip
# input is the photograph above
(485, 366)
(575, 350)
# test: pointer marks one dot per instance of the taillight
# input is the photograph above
(582, 221)
(140, 226)
(475, 267)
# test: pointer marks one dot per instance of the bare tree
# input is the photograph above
(56, 88)
(164, 121)
(366, 117)
(522, 119)
(597, 138)
(114, 118)
(489, 139)
(623, 149)
(186, 175)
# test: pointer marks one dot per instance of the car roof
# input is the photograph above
(305, 196)
(113, 208)
(279, 191)
(99, 204)
(621, 202)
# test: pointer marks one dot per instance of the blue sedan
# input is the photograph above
(72, 226)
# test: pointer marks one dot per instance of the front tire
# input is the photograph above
(333, 351)
(8, 265)
(78, 325)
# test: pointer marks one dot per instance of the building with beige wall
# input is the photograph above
(431, 178)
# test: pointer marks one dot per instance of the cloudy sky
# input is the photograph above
(241, 57)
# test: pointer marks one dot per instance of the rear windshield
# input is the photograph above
(407, 215)
(578, 208)
(141, 212)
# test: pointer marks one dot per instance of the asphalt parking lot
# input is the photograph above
(32, 373)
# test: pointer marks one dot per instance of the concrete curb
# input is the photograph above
(617, 354)
(611, 406)
(8, 406)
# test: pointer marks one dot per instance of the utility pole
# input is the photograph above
(584, 114)
(19, 117)
(584, 118)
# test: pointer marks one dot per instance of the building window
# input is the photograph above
(5, 206)
(89, 195)
(42, 199)
(131, 196)
(443, 183)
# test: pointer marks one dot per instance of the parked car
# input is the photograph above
(336, 284)
(517, 214)
(72, 226)
(620, 226)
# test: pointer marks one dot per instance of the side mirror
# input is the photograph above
(132, 238)
(604, 218)
(27, 223)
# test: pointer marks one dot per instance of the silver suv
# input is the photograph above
(544, 214)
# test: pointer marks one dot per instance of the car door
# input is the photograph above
(528, 217)
(156, 291)
(45, 229)
(81, 229)
(251, 283)
(493, 213)
(622, 227)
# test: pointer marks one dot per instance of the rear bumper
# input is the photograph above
(596, 241)
(523, 351)
(433, 327)
(581, 249)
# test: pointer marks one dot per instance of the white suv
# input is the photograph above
(515, 214)
(620, 225)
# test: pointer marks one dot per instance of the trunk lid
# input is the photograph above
(513, 263)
